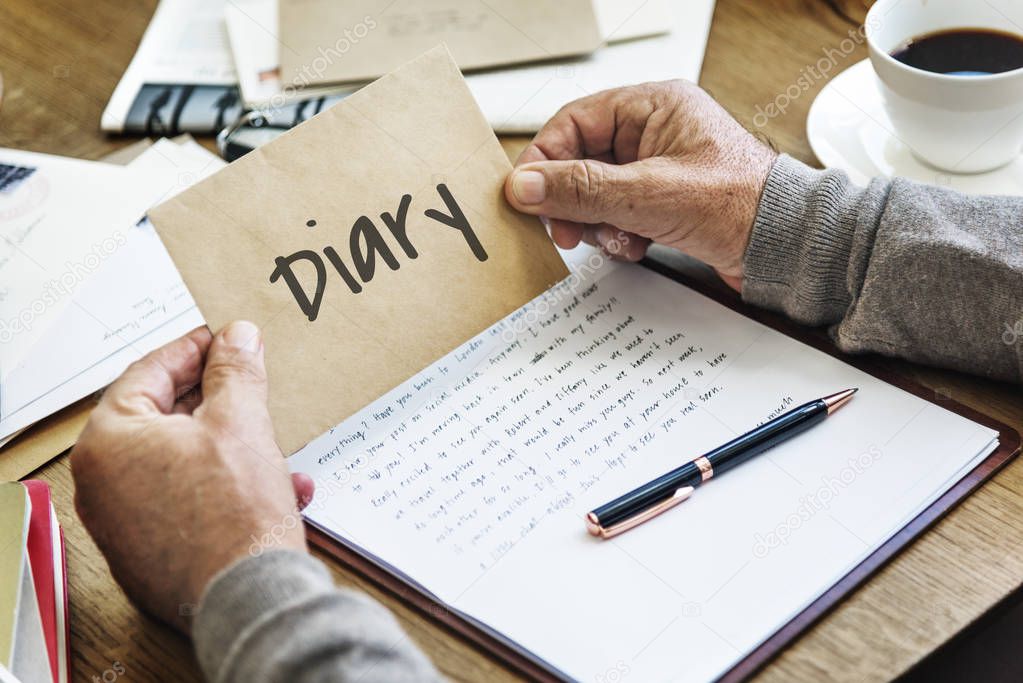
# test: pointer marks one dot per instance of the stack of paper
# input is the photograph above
(201, 63)
(89, 286)
(33, 586)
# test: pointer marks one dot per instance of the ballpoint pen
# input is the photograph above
(670, 489)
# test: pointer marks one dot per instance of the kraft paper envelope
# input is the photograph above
(44, 440)
(366, 243)
(329, 41)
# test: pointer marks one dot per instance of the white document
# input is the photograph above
(133, 304)
(59, 218)
(624, 20)
(31, 661)
(185, 43)
(472, 479)
(516, 99)
(59, 586)
(522, 99)
(252, 28)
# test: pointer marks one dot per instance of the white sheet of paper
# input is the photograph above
(135, 303)
(472, 479)
(185, 43)
(522, 99)
(31, 661)
(516, 99)
(59, 586)
(56, 225)
(252, 29)
(624, 20)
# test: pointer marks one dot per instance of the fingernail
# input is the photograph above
(241, 334)
(608, 239)
(529, 187)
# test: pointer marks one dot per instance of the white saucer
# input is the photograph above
(848, 129)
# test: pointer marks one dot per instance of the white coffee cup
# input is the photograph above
(962, 124)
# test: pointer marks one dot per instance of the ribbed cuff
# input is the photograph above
(241, 595)
(798, 258)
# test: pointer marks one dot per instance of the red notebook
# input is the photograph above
(46, 556)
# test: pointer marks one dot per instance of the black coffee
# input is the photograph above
(963, 52)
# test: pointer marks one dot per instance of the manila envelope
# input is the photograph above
(334, 41)
(367, 243)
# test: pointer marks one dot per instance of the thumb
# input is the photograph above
(234, 382)
(305, 489)
(582, 191)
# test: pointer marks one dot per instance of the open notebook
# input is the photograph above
(471, 480)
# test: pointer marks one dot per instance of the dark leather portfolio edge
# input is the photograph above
(534, 668)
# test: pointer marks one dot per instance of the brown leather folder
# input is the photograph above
(531, 666)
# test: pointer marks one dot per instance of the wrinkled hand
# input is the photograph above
(659, 162)
(177, 474)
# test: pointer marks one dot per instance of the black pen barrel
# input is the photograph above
(648, 494)
(766, 436)
(721, 459)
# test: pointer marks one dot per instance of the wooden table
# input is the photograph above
(61, 59)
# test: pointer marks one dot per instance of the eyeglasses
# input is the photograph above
(252, 129)
(260, 126)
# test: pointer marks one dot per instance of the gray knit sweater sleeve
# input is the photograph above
(897, 268)
(279, 617)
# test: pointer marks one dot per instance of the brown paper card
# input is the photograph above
(416, 133)
(44, 440)
(326, 41)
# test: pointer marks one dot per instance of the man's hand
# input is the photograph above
(659, 162)
(177, 474)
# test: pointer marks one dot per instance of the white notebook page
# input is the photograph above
(473, 478)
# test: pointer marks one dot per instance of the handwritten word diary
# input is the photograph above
(514, 425)
(365, 244)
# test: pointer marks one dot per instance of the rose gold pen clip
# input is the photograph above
(594, 527)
